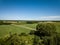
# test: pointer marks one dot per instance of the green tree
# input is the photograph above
(1, 22)
(36, 40)
(46, 28)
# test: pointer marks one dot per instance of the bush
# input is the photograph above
(1, 22)
(32, 32)
(36, 40)
(23, 34)
(46, 28)
(58, 38)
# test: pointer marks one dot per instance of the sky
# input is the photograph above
(29, 9)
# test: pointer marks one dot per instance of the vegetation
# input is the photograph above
(45, 33)
(5, 29)
(46, 28)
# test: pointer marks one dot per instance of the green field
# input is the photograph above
(57, 24)
(30, 25)
(5, 29)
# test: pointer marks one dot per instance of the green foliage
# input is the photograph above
(32, 32)
(46, 28)
(15, 39)
(31, 22)
(5, 29)
(23, 34)
(36, 40)
(4, 23)
(58, 38)
(2, 41)
(20, 38)
(1, 22)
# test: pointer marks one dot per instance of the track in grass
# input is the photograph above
(26, 28)
(5, 29)
(22, 26)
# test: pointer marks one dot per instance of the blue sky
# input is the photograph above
(29, 9)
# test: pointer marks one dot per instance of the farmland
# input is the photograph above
(18, 33)
(5, 29)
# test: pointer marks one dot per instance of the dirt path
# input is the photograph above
(24, 27)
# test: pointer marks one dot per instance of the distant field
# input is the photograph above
(5, 29)
(57, 24)
(30, 25)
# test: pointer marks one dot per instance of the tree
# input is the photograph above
(46, 28)
(36, 40)
(1, 22)
(32, 32)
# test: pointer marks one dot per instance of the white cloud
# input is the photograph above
(29, 18)
(49, 18)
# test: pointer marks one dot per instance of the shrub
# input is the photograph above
(46, 28)
(23, 34)
(32, 32)
(58, 38)
(36, 40)
(1, 22)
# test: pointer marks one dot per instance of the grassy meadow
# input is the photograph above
(23, 28)
(18, 33)
(5, 29)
